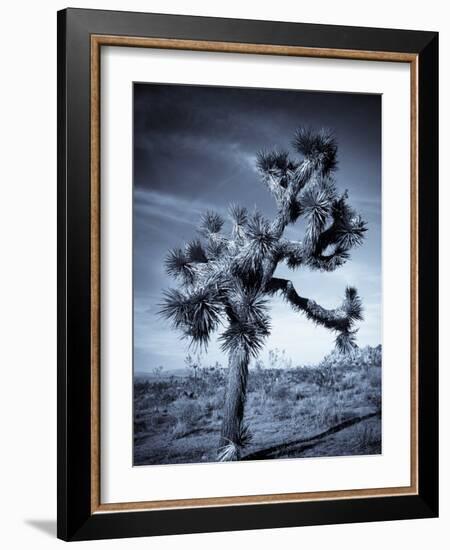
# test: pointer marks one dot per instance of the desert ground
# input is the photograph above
(329, 409)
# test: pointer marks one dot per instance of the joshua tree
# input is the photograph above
(157, 371)
(193, 364)
(227, 278)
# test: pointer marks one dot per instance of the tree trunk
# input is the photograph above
(235, 400)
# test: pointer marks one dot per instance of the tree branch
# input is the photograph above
(327, 262)
(295, 255)
(292, 252)
(340, 319)
(289, 201)
(345, 232)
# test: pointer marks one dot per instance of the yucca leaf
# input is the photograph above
(228, 453)
(274, 162)
(196, 314)
(350, 232)
(318, 147)
(211, 222)
(316, 207)
(352, 304)
(259, 234)
(249, 304)
(245, 435)
(177, 265)
(345, 342)
(238, 214)
(195, 252)
(248, 336)
(327, 262)
(175, 308)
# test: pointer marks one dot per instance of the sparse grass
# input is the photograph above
(177, 419)
(368, 437)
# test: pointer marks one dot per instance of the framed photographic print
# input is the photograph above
(247, 253)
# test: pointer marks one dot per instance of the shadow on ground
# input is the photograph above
(46, 526)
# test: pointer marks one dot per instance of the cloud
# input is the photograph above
(166, 206)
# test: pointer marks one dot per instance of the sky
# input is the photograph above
(195, 149)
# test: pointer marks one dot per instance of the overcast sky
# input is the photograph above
(194, 149)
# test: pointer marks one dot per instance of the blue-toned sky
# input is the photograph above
(195, 149)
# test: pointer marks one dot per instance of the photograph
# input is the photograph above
(257, 274)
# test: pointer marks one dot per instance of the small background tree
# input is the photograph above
(157, 371)
(226, 279)
(193, 364)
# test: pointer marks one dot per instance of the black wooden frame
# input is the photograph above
(75, 521)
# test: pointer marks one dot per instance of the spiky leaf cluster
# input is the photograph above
(259, 245)
(250, 322)
(178, 265)
(211, 223)
(318, 147)
(276, 169)
(196, 314)
(239, 216)
(316, 203)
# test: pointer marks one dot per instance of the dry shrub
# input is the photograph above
(187, 411)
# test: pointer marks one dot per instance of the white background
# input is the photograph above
(120, 482)
(28, 274)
